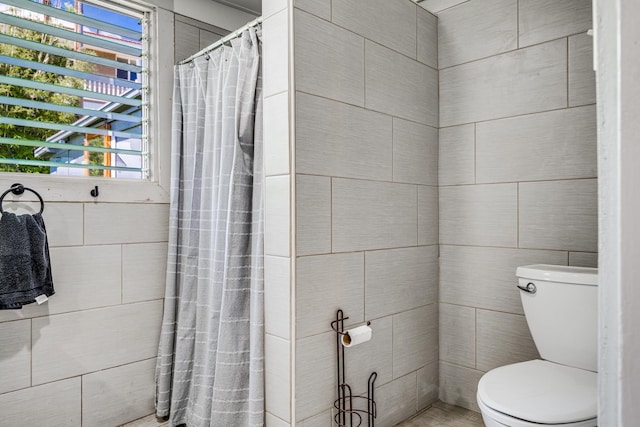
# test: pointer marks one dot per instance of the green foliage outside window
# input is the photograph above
(21, 132)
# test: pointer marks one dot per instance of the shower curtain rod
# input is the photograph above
(223, 40)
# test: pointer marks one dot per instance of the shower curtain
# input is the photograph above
(210, 363)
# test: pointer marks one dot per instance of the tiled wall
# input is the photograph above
(517, 153)
(366, 147)
(87, 356)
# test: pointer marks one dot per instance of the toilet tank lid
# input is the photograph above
(559, 273)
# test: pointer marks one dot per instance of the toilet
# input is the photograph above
(561, 307)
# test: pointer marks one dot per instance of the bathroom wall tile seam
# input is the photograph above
(366, 38)
(74, 376)
(514, 50)
(475, 308)
(377, 111)
(582, 178)
(81, 310)
(372, 180)
(533, 113)
(365, 251)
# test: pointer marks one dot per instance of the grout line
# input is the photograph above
(362, 107)
(362, 180)
(475, 153)
(433, 245)
(511, 51)
(518, 215)
(122, 273)
(512, 182)
(532, 113)
(31, 352)
(567, 59)
(518, 24)
(331, 214)
(475, 337)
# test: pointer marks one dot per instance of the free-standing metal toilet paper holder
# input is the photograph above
(348, 411)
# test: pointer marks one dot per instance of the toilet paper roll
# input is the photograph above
(356, 336)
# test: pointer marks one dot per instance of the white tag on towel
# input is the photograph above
(41, 298)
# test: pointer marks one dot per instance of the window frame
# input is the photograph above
(155, 189)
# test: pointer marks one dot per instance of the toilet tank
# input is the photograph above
(562, 312)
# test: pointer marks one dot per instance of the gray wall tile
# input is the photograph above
(276, 134)
(390, 23)
(459, 385)
(313, 215)
(321, 8)
(396, 401)
(273, 421)
(415, 339)
(207, 38)
(400, 279)
(427, 38)
(78, 287)
(337, 139)
(277, 371)
(101, 229)
(15, 355)
(316, 366)
(582, 78)
(187, 40)
(375, 355)
(67, 345)
(543, 20)
(400, 86)
(427, 385)
(536, 79)
(64, 223)
(324, 419)
(558, 144)
(435, 6)
(477, 29)
(329, 60)
(60, 405)
(456, 159)
(427, 215)
(583, 259)
(479, 215)
(486, 277)
(115, 396)
(277, 296)
(503, 339)
(559, 215)
(415, 153)
(458, 335)
(324, 284)
(144, 268)
(276, 216)
(373, 215)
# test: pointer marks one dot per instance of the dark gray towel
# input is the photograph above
(25, 266)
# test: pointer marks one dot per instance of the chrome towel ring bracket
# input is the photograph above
(19, 189)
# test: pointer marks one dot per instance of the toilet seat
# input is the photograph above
(540, 392)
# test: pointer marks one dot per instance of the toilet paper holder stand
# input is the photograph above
(349, 409)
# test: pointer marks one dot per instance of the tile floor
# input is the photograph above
(440, 414)
(444, 415)
(148, 421)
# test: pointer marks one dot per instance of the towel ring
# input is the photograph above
(18, 189)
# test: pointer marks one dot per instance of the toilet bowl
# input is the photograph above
(560, 305)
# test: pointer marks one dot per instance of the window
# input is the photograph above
(74, 87)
